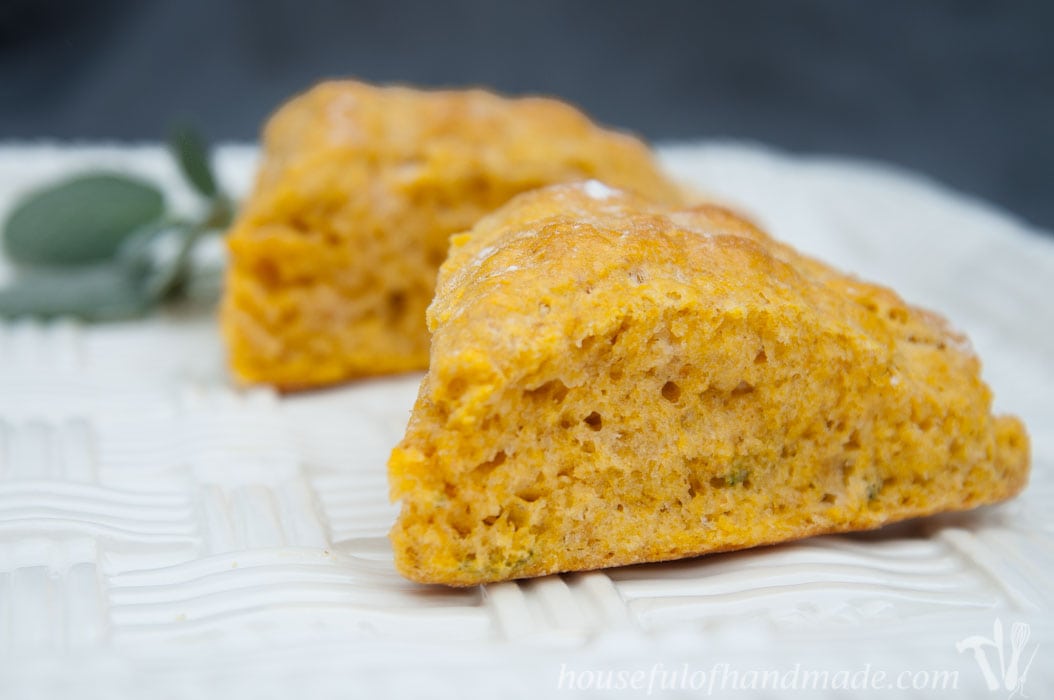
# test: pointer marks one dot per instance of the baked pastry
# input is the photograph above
(614, 381)
(334, 256)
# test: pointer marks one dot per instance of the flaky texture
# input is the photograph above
(334, 257)
(615, 382)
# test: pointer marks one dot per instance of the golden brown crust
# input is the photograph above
(613, 381)
(333, 258)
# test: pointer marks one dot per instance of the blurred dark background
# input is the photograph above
(960, 90)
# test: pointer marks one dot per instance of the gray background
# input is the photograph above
(962, 91)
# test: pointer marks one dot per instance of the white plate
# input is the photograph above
(164, 534)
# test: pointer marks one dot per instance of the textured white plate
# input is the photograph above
(164, 534)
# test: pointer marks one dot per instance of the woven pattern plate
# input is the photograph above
(162, 532)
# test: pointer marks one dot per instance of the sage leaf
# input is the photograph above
(192, 154)
(81, 220)
(96, 293)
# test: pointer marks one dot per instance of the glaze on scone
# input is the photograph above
(334, 257)
(614, 382)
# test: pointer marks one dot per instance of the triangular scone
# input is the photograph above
(614, 382)
(334, 257)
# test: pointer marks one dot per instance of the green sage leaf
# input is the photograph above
(81, 220)
(96, 293)
(192, 153)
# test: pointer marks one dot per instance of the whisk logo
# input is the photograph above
(1013, 662)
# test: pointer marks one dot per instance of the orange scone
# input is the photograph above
(334, 256)
(614, 381)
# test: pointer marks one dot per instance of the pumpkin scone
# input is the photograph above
(614, 381)
(334, 256)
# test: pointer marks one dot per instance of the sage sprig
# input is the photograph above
(91, 247)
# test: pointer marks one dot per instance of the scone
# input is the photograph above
(334, 256)
(614, 381)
